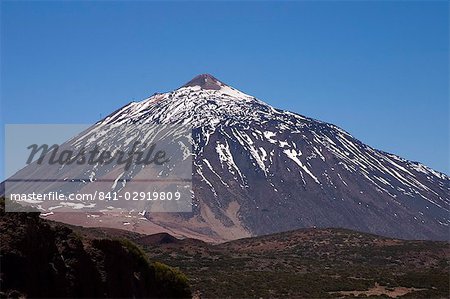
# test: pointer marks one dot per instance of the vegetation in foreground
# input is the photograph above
(40, 259)
(307, 263)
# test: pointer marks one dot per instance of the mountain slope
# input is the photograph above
(260, 170)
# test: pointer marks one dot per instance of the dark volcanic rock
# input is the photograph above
(205, 81)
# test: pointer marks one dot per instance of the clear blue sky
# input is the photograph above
(377, 69)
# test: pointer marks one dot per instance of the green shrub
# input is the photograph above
(172, 279)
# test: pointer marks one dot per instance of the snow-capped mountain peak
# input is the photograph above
(203, 101)
(253, 157)
(259, 170)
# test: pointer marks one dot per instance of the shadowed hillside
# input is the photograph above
(39, 259)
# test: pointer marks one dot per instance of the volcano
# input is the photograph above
(259, 170)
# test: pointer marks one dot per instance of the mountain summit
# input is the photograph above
(205, 81)
(260, 170)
